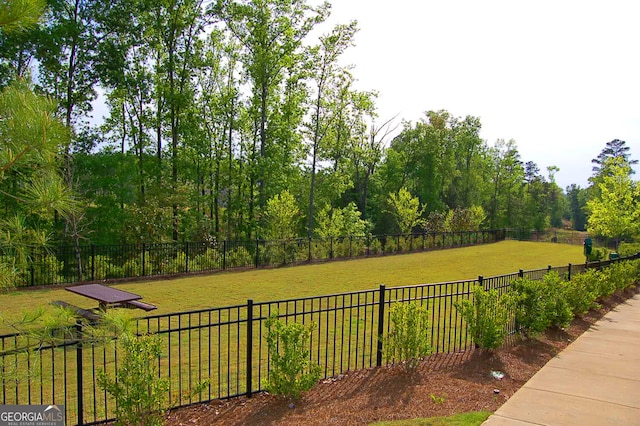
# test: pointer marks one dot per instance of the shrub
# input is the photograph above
(559, 311)
(531, 306)
(239, 257)
(342, 247)
(605, 286)
(177, 264)
(622, 274)
(597, 254)
(582, 291)
(137, 390)
(390, 245)
(291, 370)
(132, 268)
(321, 249)
(103, 268)
(48, 270)
(407, 341)
(628, 249)
(207, 261)
(487, 315)
(375, 246)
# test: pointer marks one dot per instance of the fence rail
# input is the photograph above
(67, 264)
(221, 352)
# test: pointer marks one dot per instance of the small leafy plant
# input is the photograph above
(438, 399)
(136, 388)
(487, 314)
(407, 341)
(291, 371)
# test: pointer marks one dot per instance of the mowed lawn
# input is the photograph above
(230, 288)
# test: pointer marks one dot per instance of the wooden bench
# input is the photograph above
(84, 313)
(141, 305)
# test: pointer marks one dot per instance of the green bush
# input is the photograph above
(48, 270)
(598, 254)
(375, 246)
(559, 312)
(531, 306)
(390, 245)
(132, 268)
(177, 264)
(623, 274)
(604, 285)
(104, 268)
(136, 388)
(239, 257)
(206, 261)
(407, 341)
(628, 249)
(342, 247)
(487, 314)
(582, 291)
(291, 371)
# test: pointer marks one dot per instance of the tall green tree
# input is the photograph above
(577, 199)
(282, 217)
(271, 33)
(323, 62)
(615, 148)
(31, 184)
(406, 210)
(507, 175)
(615, 213)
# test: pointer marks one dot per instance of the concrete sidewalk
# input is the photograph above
(594, 381)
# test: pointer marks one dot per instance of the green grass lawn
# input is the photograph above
(230, 288)
(464, 419)
(217, 353)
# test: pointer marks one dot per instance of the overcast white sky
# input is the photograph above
(560, 77)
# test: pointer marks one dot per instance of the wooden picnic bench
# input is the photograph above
(84, 313)
(141, 305)
(109, 297)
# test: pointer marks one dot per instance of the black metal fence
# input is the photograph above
(563, 236)
(67, 264)
(221, 352)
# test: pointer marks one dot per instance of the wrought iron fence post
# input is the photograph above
(144, 254)
(224, 255)
(481, 282)
(521, 273)
(368, 242)
(331, 247)
(284, 252)
(380, 325)
(257, 261)
(569, 273)
(93, 262)
(80, 390)
(186, 257)
(32, 268)
(249, 346)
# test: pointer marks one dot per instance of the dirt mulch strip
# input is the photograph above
(443, 384)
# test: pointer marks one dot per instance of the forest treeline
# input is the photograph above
(237, 120)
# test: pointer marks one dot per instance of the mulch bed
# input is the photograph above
(443, 384)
